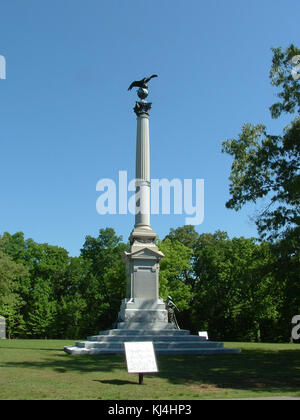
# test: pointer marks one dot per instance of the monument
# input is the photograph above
(142, 308)
(143, 315)
(2, 328)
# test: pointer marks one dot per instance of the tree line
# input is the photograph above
(234, 288)
(238, 289)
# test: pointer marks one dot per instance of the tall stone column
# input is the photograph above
(142, 308)
(142, 173)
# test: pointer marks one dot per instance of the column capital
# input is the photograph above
(142, 107)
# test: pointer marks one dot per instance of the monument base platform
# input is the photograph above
(167, 341)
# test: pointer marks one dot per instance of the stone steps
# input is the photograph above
(122, 338)
(145, 325)
(143, 332)
(157, 344)
(170, 352)
(166, 341)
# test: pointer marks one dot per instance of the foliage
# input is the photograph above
(172, 283)
(13, 283)
(186, 235)
(268, 167)
(64, 296)
(235, 292)
(107, 283)
(228, 286)
(281, 75)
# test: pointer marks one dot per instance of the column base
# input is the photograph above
(142, 234)
(143, 311)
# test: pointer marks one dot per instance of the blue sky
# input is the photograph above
(66, 116)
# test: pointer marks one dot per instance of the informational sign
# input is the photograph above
(203, 334)
(140, 357)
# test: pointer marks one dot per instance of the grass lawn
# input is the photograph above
(39, 369)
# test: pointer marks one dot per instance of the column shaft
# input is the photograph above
(142, 217)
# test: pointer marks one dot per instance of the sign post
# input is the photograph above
(140, 358)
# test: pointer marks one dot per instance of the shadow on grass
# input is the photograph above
(63, 363)
(254, 369)
(31, 348)
(116, 382)
(257, 370)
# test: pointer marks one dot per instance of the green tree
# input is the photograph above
(14, 281)
(48, 288)
(172, 282)
(235, 293)
(47, 265)
(107, 282)
(281, 75)
(72, 313)
(268, 166)
(189, 237)
(186, 235)
(13, 245)
(41, 315)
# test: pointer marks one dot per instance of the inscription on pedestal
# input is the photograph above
(144, 283)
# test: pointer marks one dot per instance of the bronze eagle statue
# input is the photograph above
(141, 83)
